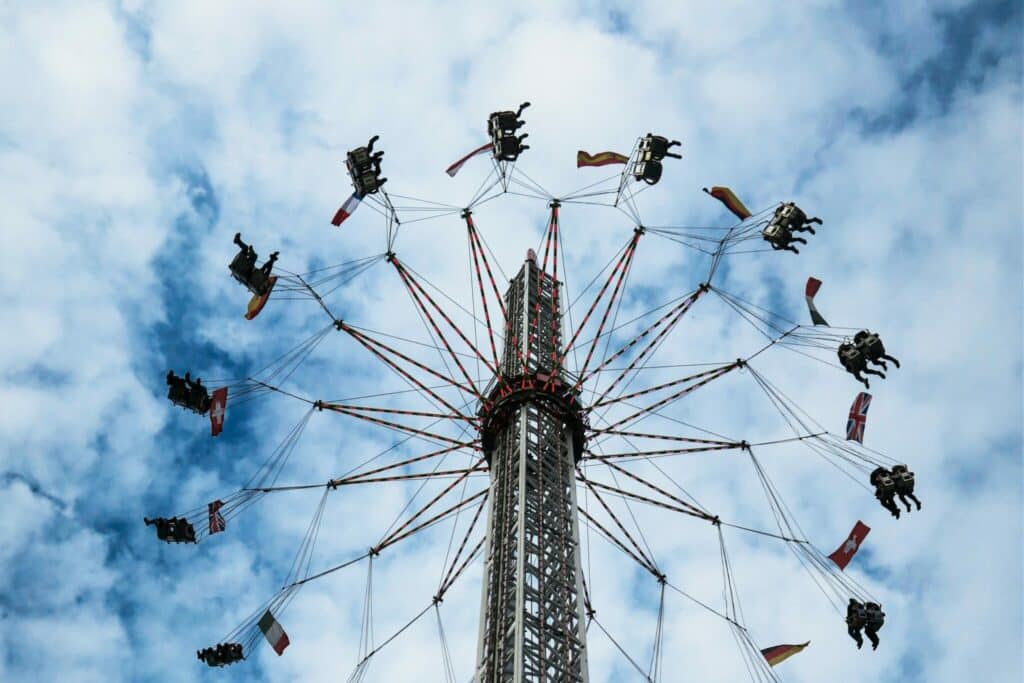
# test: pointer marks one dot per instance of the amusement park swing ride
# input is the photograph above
(515, 445)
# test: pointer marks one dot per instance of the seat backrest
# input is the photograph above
(656, 146)
(651, 171)
(358, 158)
(503, 122)
(241, 262)
(257, 280)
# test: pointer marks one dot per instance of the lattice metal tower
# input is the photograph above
(532, 624)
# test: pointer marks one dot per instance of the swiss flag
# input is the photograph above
(218, 405)
(850, 546)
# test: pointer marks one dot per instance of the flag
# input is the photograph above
(780, 653)
(217, 523)
(258, 301)
(858, 417)
(813, 285)
(347, 209)
(848, 549)
(218, 404)
(599, 159)
(276, 636)
(731, 201)
(454, 168)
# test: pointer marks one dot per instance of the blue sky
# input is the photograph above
(138, 137)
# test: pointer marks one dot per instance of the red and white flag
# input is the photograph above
(454, 168)
(217, 523)
(849, 548)
(347, 209)
(810, 291)
(218, 406)
(276, 636)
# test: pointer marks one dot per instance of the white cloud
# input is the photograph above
(113, 110)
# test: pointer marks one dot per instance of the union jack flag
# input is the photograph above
(217, 523)
(858, 417)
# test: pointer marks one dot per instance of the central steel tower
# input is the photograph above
(532, 624)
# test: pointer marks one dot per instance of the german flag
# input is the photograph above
(731, 201)
(781, 653)
(599, 159)
(258, 301)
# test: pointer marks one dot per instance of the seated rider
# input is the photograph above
(221, 655)
(177, 389)
(212, 656)
(244, 269)
(182, 530)
(793, 217)
(502, 127)
(856, 619)
(199, 398)
(871, 346)
(648, 171)
(653, 149)
(885, 490)
(656, 147)
(904, 480)
(508, 147)
(245, 260)
(164, 528)
(506, 121)
(780, 237)
(875, 619)
(266, 267)
(364, 168)
(853, 360)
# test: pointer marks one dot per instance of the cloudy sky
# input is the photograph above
(136, 138)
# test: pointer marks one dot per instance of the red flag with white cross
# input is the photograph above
(218, 407)
(849, 548)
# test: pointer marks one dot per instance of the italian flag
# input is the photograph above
(276, 636)
(810, 291)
